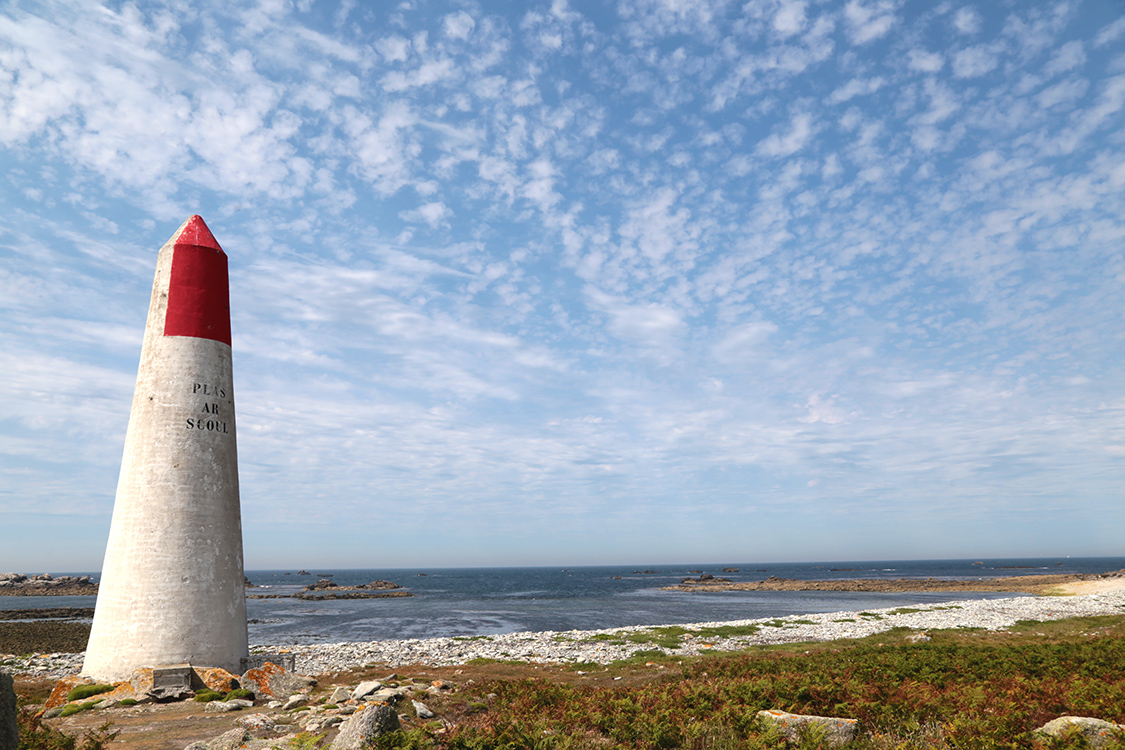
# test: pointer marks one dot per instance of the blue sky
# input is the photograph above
(586, 282)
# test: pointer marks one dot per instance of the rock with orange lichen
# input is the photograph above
(215, 678)
(273, 681)
(62, 689)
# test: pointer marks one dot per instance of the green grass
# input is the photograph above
(640, 658)
(607, 638)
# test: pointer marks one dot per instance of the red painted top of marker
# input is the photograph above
(199, 288)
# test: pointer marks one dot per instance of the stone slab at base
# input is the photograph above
(172, 676)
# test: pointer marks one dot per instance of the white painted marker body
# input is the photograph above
(172, 587)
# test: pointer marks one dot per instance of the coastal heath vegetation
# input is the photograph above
(35, 735)
(964, 690)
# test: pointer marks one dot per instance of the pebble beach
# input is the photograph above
(604, 646)
(585, 646)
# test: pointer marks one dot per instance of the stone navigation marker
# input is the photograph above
(172, 581)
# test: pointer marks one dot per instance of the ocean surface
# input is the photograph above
(490, 601)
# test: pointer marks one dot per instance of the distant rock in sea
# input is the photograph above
(325, 589)
(18, 584)
(706, 578)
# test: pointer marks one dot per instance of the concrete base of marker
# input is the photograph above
(148, 684)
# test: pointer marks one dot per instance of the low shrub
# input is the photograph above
(35, 735)
(206, 695)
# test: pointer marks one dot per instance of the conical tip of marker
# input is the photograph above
(195, 232)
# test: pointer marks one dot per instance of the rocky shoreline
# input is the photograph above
(1033, 584)
(604, 646)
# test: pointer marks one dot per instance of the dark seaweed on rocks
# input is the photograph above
(44, 636)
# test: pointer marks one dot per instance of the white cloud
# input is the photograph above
(429, 213)
(796, 136)
(967, 20)
(926, 62)
(427, 74)
(973, 62)
(790, 18)
(856, 87)
(744, 341)
(1066, 58)
(381, 148)
(825, 412)
(393, 48)
(458, 25)
(869, 21)
(652, 326)
(1110, 33)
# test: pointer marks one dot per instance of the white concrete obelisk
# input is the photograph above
(172, 581)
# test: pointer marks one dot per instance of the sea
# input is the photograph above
(491, 601)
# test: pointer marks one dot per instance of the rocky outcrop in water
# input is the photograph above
(18, 584)
(1037, 584)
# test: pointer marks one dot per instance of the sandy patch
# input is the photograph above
(1101, 586)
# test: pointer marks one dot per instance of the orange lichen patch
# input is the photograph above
(64, 686)
(260, 677)
(216, 678)
(141, 680)
(120, 692)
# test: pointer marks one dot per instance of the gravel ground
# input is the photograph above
(578, 646)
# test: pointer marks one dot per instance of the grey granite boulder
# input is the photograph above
(1097, 732)
(221, 707)
(231, 740)
(9, 728)
(423, 711)
(256, 721)
(295, 701)
(835, 732)
(366, 725)
(364, 689)
(386, 695)
(272, 680)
